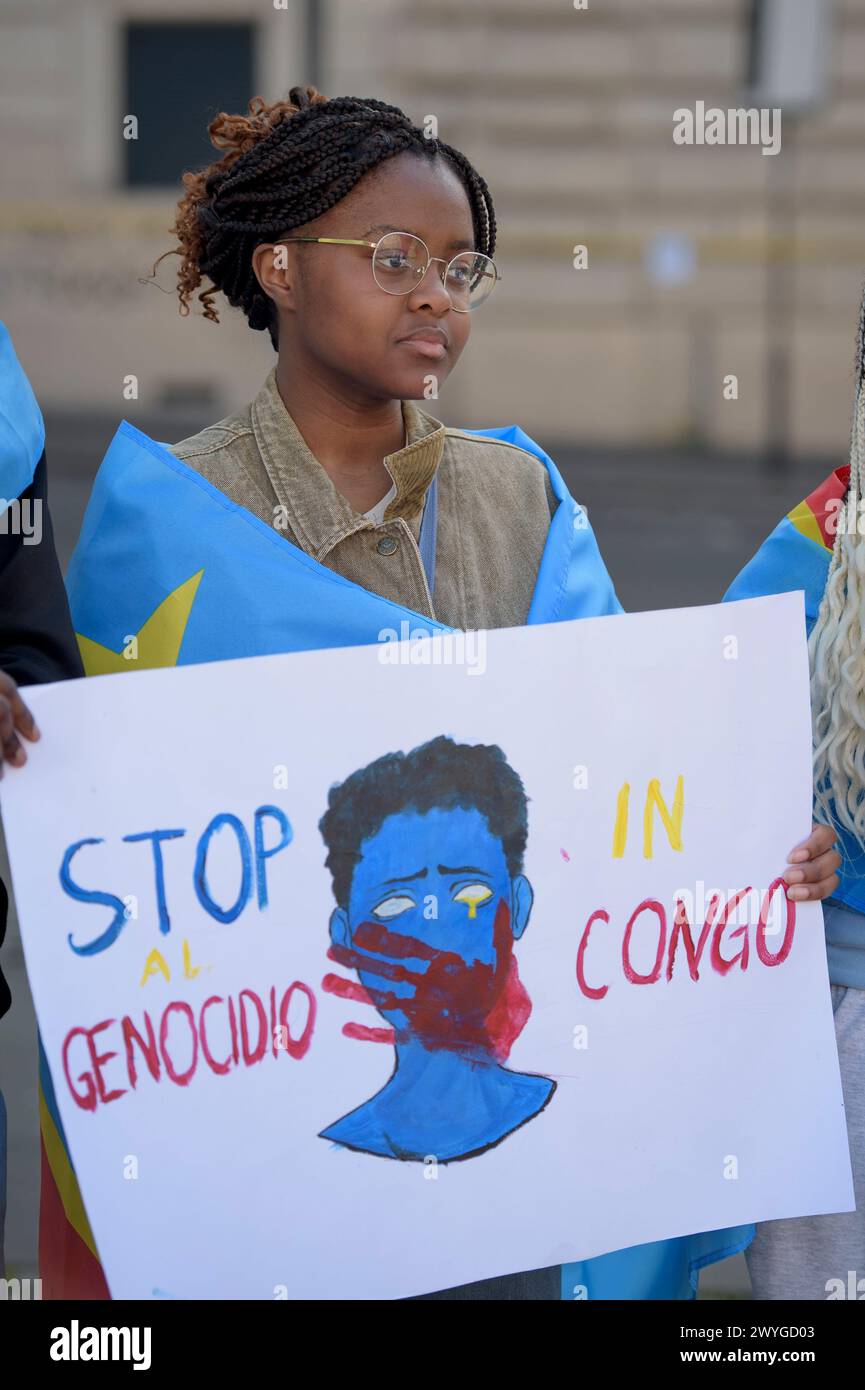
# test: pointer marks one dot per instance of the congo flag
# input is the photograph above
(798, 552)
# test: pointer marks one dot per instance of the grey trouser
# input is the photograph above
(799, 1258)
(533, 1284)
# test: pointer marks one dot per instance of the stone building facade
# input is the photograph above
(703, 263)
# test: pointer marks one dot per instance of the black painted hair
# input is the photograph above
(284, 165)
(440, 773)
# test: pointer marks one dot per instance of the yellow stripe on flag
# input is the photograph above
(64, 1177)
(806, 524)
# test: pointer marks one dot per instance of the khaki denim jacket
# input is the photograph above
(494, 508)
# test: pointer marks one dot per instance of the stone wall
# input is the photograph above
(568, 115)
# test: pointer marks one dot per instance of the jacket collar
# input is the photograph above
(317, 513)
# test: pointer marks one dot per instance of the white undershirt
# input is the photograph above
(376, 513)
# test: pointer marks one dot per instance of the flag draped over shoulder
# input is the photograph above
(22, 433)
(167, 559)
(168, 571)
(797, 555)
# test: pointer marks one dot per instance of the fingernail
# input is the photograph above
(798, 894)
(37, 732)
(798, 856)
(795, 875)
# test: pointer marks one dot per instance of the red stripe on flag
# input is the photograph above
(67, 1268)
(830, 490)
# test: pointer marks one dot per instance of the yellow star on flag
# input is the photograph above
(157, 643)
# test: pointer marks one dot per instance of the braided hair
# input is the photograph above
(284, 165)
(837, 646)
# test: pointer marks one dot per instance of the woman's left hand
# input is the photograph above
(813, 875)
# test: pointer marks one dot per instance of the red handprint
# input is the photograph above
(473, 1008)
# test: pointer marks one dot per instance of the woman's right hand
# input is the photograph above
(15, 720)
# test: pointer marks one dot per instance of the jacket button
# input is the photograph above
(388, 545)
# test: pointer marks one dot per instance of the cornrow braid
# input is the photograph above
(285, 164)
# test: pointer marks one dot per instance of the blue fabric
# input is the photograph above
(429, 527)
(153, 523)
(788, 561)
(845, 944)
(664, 1269)
(572, 581)
(22, 433)
(785, 562)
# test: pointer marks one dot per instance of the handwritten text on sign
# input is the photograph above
(425, 948)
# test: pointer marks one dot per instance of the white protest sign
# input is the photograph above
(459, 1052)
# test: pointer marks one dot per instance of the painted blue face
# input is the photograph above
(438, 878)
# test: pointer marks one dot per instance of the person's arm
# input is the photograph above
(37, 643)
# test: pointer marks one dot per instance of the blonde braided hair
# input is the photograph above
(837, 648)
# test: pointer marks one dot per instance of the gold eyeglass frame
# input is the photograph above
(374, 245)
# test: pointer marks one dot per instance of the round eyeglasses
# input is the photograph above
(400, 260)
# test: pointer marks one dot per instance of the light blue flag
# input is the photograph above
(154, 525)
(22, 433)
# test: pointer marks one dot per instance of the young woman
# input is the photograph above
(332, 507)
(820, 547)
